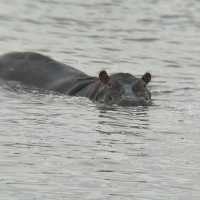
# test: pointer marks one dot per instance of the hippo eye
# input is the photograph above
(109, 85)
(138, 86)
(133, 88)
(110, 98)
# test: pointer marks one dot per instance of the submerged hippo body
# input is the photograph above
(43, 72)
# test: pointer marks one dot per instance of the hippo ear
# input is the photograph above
(103, 77)
(146, 77)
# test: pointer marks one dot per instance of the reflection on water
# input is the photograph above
(119, 120)
(58, 147)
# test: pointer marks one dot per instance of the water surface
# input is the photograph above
(59, 147)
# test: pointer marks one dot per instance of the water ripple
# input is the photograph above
(57, 147)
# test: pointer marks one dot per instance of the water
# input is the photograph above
(59, 147)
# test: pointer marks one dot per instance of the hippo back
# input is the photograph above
(36, 70)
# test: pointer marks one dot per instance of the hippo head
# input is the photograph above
(123, 89)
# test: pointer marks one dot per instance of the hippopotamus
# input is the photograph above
(41, 71)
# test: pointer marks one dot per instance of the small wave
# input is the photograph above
(142, 39)
(110, 49)
(173, 66)
(172, 16)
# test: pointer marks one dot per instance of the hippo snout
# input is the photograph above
(134, 102)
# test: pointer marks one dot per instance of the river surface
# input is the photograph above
(55, 147)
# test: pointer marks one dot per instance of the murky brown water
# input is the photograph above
(59, 147)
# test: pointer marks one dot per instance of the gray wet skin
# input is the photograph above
(40, 71)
